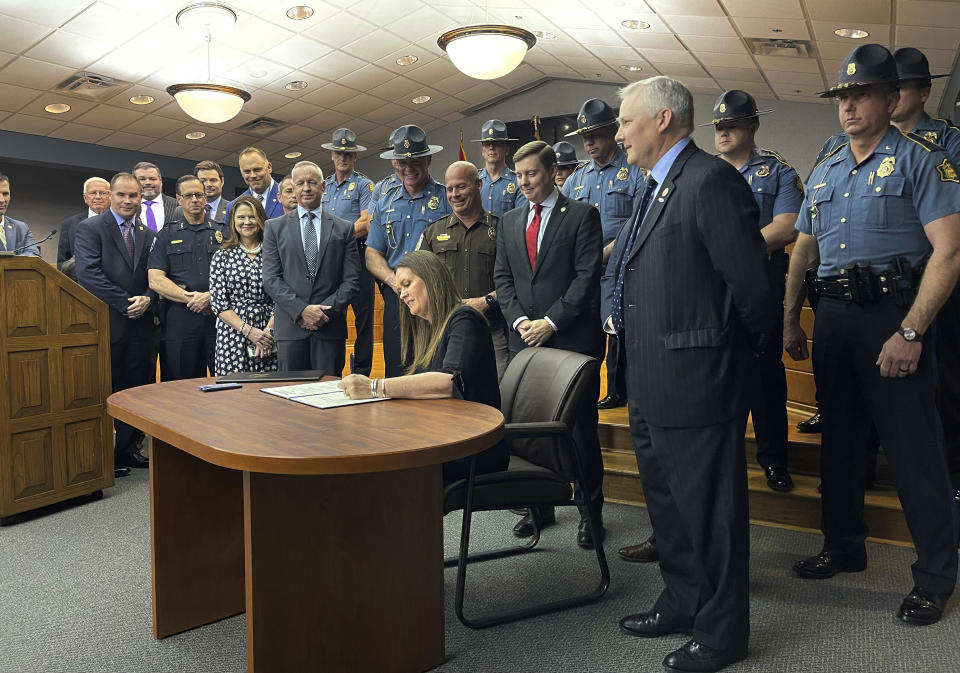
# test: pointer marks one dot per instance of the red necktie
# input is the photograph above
(533, 231)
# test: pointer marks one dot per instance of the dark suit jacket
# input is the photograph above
(696, 296)
(67, 235)
(285, 274)
(104, 269)
(19, 236)
(566, 283)
(273, 206)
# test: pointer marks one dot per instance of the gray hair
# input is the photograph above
(306, 164)
(86, 183)
(661, 92)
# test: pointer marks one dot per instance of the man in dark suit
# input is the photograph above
(156, 208)
(111, 262)
(547, 277)
(256, 172)
(15, 236)
(96, 194)
(686, 289)
(311, 268)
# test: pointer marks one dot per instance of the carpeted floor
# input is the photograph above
(75, 597)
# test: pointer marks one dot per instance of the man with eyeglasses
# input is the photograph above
(96, 194)
(180, 273)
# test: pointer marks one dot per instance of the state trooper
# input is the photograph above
(498, 183)
(567, 161)
(399, 218)
(609, 184)
(179, 271)
(348, 194)
(881, 222)
(778, 192)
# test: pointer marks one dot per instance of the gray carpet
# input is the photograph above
(75, 597)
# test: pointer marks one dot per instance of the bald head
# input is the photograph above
(463, 191)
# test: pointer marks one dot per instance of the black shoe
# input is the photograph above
(525, 527)
(779, 479)
(653, 624)
(921, 608)
(132, 459)
(584, 535)
(645, 552)
(698, 658)
(611, 402)
(956, 495)
(121, 472)
(811, 425)
(827, 564)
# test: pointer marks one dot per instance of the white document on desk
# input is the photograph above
(322, 395)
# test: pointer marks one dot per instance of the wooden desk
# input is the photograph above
(325, 526)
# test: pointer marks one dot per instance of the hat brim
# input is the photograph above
(495, 140)
(341, 148)
(431, 149)
(914, 78)
(830, 93)
(592, 127)
(724, 120)
(568, 163)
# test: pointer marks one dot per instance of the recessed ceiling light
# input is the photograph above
(296, 85)
(544, 35)
(196, 135)
(420, 99)
(631, 68)
(142, 99)
(293, 155)
(854, 33)
(299, 12)
(258, 73)
(634, 24)
(57, 108)
(409, 59)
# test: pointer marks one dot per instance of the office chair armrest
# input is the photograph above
(546, 429)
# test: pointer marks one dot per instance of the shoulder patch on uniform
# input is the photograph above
(799, 184)
(947, 122)
(830, 153)
(764, 152)
(947, 172)
(922, 142)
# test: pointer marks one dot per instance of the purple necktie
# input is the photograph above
(151, 218)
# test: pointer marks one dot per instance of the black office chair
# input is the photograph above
(539, 393)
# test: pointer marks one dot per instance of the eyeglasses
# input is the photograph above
(194, 195)
(99, 193)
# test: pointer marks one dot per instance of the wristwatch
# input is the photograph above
(909, 334)
(491, 302)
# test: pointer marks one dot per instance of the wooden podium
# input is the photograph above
(56, 439)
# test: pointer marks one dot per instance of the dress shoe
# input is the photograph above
(121, 472)
(653, 624)
(698, 658)
(611, 402)
(956, 495)
(645, 552)
(811, 425)
(779, 479)
(584, 535)
(132, 459)
(525, 526)
(827, 564)
(921, 608)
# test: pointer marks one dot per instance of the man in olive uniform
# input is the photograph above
(881, 223)
(499, 191)
(179, 271)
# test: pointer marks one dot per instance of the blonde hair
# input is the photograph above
(443, 299)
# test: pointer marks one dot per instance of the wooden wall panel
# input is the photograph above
(83, 451)
(32, 470)
(75, 316)
(81, 377)
(26, 301)
(28, 383)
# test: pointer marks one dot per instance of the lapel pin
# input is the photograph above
(660, 199)
(563, 210)
(665, 191)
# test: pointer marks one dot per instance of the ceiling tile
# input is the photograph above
(366, 78)
(612, 53)
(564, 49)
(643, 39)
(386, 11)
(109, 117)
(294, 111)
(230, 142)
(436, 71)
(481, 92)
(701, 25)
(861, 11)
(721, 45)
(823, 32)
(789, 29)
(80, 133)
(787, 63)
(334, 65)
(292, 134)
(702, 84)
(257, 72)
(423, 58)
(296, 51)
(454, 84)
(374, 45)
(29, 124)
(359, 105)
(419, 24)
(564, 18)
(360, 127)
(923, 13)
(122, 99)
(101, 20)
(77, 106)
(446, 106)
(342, 28)
(522, 76)
(168, 148)
(49, 12)
(263, 102)
(614, 17)
(400, 87)
(385, 115)
(35, 74)
(693, 7)
(806, 80)
(834, 50)
(324, 120)
(929, 38)
(66, 49)
(6, 58)
(588, 37)
(756, 89)
(667, 55)
(20, 35)
(683, 70)
(772, 9)
(741, 74)
(199, 154)
(806, 99)
(329, 95)
(260, 35)
(712, 60)
(154, 125)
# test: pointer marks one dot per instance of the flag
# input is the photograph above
(536, 128)
(463, 155)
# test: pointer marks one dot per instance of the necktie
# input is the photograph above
(310, 249)
(533, 231)
(151, 218)
(128, 238)
(3, 236)
(207, 208)
(616, 316)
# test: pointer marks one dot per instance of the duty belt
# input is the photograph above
(862, 286)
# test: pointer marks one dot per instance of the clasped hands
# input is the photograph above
(313, 317)
(262, 339)
(534, 332)
(198, 302)
(138, 306)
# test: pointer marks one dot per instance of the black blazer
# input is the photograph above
(285, 274)
(697, 300)
(566, 283)
(104, 269)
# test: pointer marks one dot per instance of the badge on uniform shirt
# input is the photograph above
(433, 203)
(623, 173)
(443, 237)
(851, 68)
(763, 171)
(930, 135)
(511, 188)
(947, 172)
(886, 167)
(351, 187)
(219, 237)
